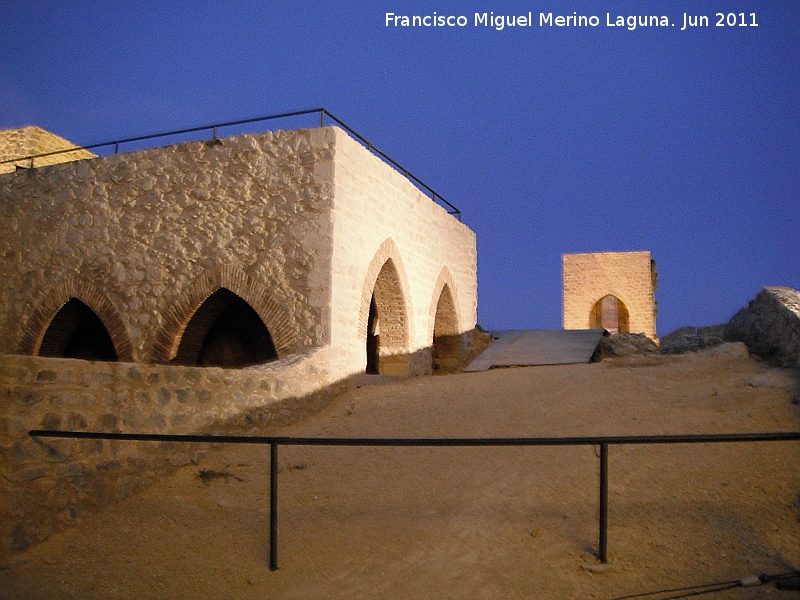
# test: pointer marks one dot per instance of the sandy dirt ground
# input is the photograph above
(469, 522)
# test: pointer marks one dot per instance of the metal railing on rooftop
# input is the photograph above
(274, 441)
(452, 210)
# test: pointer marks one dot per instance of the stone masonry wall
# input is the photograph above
(302, 225)
(145, 236)
(770, 325)
(46, 484)
(626, 275)
(379, 215)
(32, 140)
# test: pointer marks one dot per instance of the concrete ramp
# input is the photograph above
(525, 348)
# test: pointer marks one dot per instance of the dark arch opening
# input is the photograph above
(77, 332)
(373, 338)
(387, 323)
(225, 332)
(611, 314)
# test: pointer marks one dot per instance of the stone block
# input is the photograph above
(26, 395)
(164, 396)
(134, 375)
(46, 376)
(76, 421)
(132, 417)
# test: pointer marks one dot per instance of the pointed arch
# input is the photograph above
(387, 252)
(225, 332)
(77, 332)
(611, 313)
(452, 326)
(178, 317)
(385, 316)
(38, 324)
(446, 342)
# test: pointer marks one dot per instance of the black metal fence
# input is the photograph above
(274, 441)
(213, 129)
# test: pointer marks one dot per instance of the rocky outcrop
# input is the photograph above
(770, 325)
(625, 344)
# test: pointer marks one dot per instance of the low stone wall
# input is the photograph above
(770, 325)
(46, 484)
(686, 339)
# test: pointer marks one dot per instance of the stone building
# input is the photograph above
(300, 240)
(610, 290)
(173, 288)
(32, 141)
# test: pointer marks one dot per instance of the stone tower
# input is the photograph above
(612, 290)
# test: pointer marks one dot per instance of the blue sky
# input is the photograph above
(549, 139)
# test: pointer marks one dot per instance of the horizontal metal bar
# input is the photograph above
(426, 442)
(453, 210)
(275, 441)
(390, 160)
(169, 133)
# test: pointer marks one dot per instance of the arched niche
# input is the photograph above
(77, 332)
(446, 351)
(387, 324)
(281, 327)
(225, 332)
(611, 314)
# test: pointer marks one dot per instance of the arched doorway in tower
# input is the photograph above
(387, 325)
(446, 341)
(77, 332)
(611, 314)
(225, 332)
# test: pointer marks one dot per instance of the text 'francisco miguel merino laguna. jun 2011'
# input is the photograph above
(628, 22)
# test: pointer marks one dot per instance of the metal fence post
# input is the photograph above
(273, 506)
(604, 502)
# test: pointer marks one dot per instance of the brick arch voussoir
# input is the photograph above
(36, 325)
(445, 278)
(280, 325)
(387, 251)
